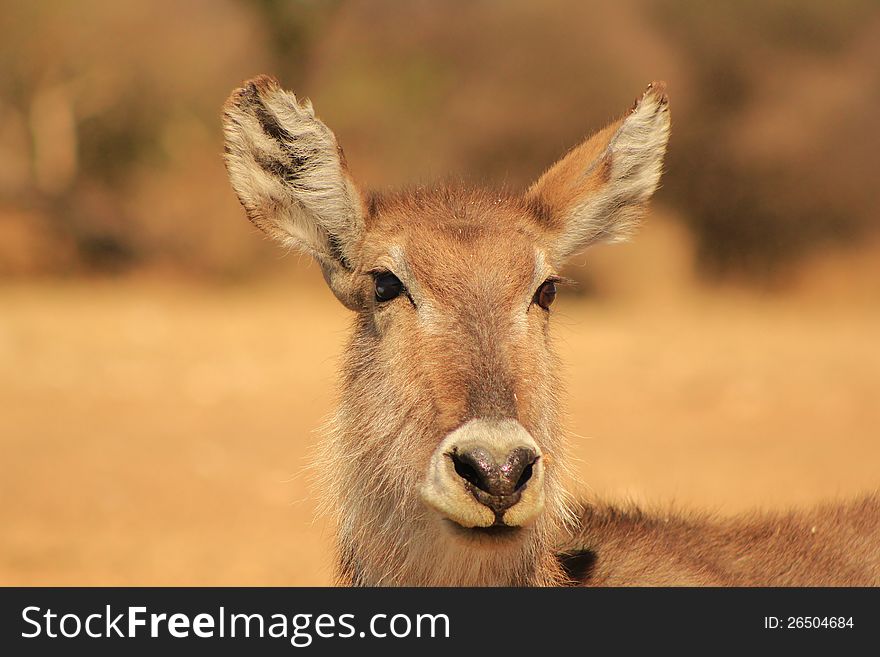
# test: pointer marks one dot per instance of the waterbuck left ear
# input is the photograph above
(598, 191)
(290, 175)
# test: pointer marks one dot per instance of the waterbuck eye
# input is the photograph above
(546, 294)
(388, 286)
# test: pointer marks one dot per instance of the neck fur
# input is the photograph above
(387, 537)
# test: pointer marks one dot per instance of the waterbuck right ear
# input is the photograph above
(598, 191)
(290, 175)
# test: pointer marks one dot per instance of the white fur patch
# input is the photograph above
(610, 209)
(290, 177)
(445, 492)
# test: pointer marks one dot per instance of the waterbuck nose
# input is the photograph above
(486, 473)
(496, 483)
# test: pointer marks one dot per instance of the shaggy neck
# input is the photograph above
(374, 459)
(446, 565)
(386, 536)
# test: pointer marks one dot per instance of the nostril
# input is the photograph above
(477, 467)
(466, 471)
(525, 476)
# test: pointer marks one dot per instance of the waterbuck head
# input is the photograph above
(443, 463)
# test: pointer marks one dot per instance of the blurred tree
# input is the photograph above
(110, 143)
(753, 211)
(293, 28)
(97, 99)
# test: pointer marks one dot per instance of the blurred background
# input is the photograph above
(163, 367)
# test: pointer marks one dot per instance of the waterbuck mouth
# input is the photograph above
(487, 475)
(494, 533)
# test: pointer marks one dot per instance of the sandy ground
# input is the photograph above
(157, 433)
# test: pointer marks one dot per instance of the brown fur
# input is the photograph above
(400, 395)
(830, 545)
(466, 344)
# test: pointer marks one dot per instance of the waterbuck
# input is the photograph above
(445, 460)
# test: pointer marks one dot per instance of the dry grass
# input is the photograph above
(156, 433)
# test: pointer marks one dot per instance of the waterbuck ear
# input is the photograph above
(290, 175)
(598, 191)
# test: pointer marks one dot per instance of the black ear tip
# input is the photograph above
(251, 90)
(263, 83)
(658, 90)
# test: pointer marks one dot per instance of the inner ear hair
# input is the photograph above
(598, 190)
(290, 174)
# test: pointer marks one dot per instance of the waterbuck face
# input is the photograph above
(447, 435)
(462, 346)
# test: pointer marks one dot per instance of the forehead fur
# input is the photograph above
(466, 231)
(459, 204)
